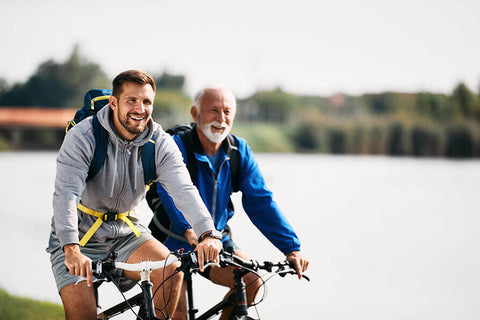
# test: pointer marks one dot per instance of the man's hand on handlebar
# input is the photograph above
(207, 251)
(299, 262)
(77, 263)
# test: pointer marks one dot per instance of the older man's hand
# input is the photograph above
(299, 262)
(208, 250)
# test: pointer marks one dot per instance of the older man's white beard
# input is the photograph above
(216, 137)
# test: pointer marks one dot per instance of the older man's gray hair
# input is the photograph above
(197, 100)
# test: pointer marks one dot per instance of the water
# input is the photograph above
(386, 238)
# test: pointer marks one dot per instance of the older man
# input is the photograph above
(212, 147)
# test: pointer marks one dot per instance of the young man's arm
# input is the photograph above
(73, 162)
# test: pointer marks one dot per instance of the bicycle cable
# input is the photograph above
(116, 281)
(165, 301)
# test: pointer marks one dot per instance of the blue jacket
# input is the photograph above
(215, 190)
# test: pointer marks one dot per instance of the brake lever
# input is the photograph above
(285, 272)
(208, 264)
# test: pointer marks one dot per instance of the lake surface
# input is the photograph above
(387, 238)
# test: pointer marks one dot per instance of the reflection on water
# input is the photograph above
(387, 238)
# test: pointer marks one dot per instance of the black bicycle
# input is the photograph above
(102, 271)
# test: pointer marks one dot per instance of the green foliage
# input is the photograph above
(380, 104)
(31, 138)
(464, 101)
(57, 84)
(395, 139)
(271, 106)
(3, 87)
(13, 308)
(264, 137)
(171, 106)
(170, 81)
(388, 123)
(460, 143)
(337, 141)
(432, 105)
(425, 141)
(307, 138)
(4, 145)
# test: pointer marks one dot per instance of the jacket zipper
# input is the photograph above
(215, 189)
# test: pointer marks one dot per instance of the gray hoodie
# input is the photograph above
(119, 185)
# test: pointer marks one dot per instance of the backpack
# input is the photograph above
(160, 224)
(93, 101)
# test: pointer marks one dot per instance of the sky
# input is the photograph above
(305, 47)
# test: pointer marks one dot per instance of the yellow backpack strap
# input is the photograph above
(101, 217)
(92, 102)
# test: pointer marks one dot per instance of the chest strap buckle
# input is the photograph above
(101, 217)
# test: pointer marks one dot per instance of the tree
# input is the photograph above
(463, 99)
(170, 81)
(274, 106)
(58, 84)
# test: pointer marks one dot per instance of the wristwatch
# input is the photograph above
(215, 234)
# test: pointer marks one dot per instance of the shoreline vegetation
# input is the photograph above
(420, 124)
(13, 307)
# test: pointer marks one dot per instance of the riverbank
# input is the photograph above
(13, 307)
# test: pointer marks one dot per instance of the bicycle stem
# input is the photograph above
(240, 307)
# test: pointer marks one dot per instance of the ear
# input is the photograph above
(113, 102)
(194, 113)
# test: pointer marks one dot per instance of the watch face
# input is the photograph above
(217, 234)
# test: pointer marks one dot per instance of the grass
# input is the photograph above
(264, 137)
(14, 307)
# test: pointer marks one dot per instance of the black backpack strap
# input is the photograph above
(100, 152)
(192, 145)
(231, 149)
(148, 160)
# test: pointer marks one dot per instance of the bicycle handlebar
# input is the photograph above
(189, 263)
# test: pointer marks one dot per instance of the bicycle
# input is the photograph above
(188, 264)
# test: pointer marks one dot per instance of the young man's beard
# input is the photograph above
(130, 128)
(216, 137)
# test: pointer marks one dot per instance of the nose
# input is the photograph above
(221, 117)
(140, 107)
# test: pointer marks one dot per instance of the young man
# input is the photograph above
(214, 112)
(118, 187)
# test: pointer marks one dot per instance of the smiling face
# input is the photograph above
(214, 118)
(132, 109)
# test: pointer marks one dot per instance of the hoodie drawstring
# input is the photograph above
(114, 168)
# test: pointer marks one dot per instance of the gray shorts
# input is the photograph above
(122, 246)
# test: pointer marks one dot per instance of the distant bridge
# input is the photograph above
(34, 128)
(35, 117)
